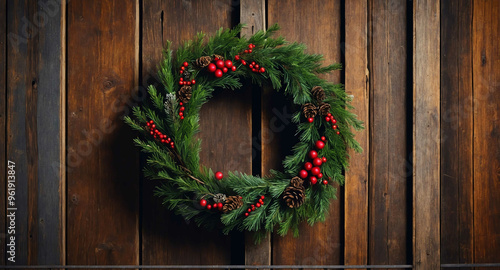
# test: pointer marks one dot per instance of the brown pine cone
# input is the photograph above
(318, 93)
(232, 203)
(203, 61)
(220, 57)
(297, 182)
(294, 196)
(309, 110)
(324, 108)
(184, 94)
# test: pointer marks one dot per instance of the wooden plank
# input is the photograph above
(253, 14)
(486, 56)
(318, 27)
(389, 132)
(225, 122)
(456, 132)
(3, 111)
(426, 131)
(357, 84)
(102, 179)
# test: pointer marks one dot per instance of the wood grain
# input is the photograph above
(486, 56)
(426, 131)
(3, 111)
(319, 28)
(390, 108)
(225, 133)
(102, 178)
(456, 132)
(253, 15)
(357, 84)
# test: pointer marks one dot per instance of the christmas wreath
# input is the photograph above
(169, 120)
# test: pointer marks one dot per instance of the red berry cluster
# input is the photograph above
(313, 167)
(252, 207)
(183, 81)
(158, 135)
(219, 67)
(329, 118)
(255, 67)
(181, 110)
(215, 206)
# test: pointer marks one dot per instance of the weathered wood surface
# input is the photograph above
(457, 127)
(390, 107)
(316, 23)
(225, 126)
(426, 132)
(102, 178)
(357, 84)
(486, 56)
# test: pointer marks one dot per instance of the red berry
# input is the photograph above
(236, 57)
(334, 126)
(327, 119)
(257, 204)
(308, 166)
(185, 64)
(181, 79)
(182, 117)
(313, 154)
(153, 126)
(219, 63)
(218, 73)
(182, 71)
(262, 70)
(183, 68)
(320, 175)
(180, 103)
(219, 205)
(152, 133)
(262, 197)
(193, 81)
(148, 124)
(214, 206)
(254, 70)
(317, 162)
(182, 108)
(245, 51)
(212, 67)
(253, 63)
(315, 171)
(329, 115)
(323, 138)
(323, 159)
(320, 145)
(249, 210)
(203, 202)
(209, 207)
(181, 113)
(325, 182)
(313, 180)
(219, 176)
(243, 62)
(310, 120)
(224, 69)
(228, 63)
(338, 132)
(247, 214)
(162, 141)
(172, 143)
(303, 174)
(233, 68)
(188, 83)
(334, 121)
(250, 66)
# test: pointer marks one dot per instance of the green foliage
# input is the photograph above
(183, 183)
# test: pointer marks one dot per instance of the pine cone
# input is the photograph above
(184, 94)
(324, 108)
(219, 197)
(232, 203)
(220, 57)
(294, 196)
(318, 93)
(297, 182)
(203, 61)
(309, 110)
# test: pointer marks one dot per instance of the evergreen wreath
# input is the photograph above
(169, 121)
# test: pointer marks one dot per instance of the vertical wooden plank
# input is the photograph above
(225, 122)
(486, 57)
(319, 27)
(389, 132)
(426, 131)
(253, 14)
(456, 132)
(102, 178)
(357, 84)
(3, 111)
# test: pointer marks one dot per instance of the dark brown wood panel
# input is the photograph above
(102, 180)
(357, 84)
(426, 133)
(317, 24)
(456, 132)
(486, 56)
(390, 173)
(225, 126)
(3, 111)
